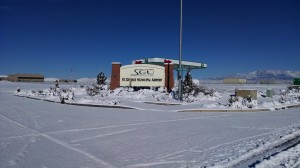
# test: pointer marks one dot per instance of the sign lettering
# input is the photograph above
(149, 72)
(142, 75)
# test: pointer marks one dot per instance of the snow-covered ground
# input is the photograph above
(214, 97)
(37, 133)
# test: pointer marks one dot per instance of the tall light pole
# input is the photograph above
(180, 53)
(71, 80)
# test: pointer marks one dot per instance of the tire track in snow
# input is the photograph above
(89, 155)
(192, 149)
(102, 135)
(173, 154)
(61, 143)
(22, 152)
(245, 138)
(254, 156)
(297, 164)
(156, 163)
(19, 136)
(136, 124)
(288, 158)
(35, 122)
(18, 124)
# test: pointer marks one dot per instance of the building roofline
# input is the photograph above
(185, 64)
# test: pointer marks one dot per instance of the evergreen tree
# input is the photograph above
(101, 79)
(188, 85)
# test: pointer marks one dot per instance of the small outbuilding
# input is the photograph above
(296, 81)
(245, 93)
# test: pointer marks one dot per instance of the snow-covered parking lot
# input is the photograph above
(37, 133)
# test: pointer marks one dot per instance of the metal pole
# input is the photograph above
(71, 80)
(180, 53)
(168, 88)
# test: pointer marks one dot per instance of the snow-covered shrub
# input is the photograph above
(40, 92)
(114, 102)
(56, 84)
(62, 100)
(94, 90)
(162, 89)
(67, 94)
(104, 87)
(158, 97)
(117, 91)
(291, 95)
(130, 89)
(33, 92)
(204, 90)
(89, 91)
(198, 93)
(283, 99)
(191, 91)
(239, 102)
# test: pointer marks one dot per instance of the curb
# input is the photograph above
(169, 104)
(241, 110)
(80, 104)
(99, 105)
(224, 110)
(163, 103)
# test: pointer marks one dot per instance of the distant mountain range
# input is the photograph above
(264, 75)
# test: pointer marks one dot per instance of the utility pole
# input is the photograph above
(180, 54)
(71, 80)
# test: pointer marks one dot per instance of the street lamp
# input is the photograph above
(180, 60)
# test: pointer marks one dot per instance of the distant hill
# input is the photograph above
(264, 75)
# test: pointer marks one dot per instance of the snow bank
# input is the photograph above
(51, 79)
(207, 97)
(264, 146)
(86, 81)
(287, 159)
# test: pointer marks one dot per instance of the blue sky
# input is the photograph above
(52, 37)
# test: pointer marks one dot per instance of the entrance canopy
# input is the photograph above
(186, 65)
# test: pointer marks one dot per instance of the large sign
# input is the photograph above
(142, 75)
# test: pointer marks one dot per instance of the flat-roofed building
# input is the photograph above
(26, 78)
(234, 81)
(3, 77)
(267, 81)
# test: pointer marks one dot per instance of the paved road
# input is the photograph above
(42, 134)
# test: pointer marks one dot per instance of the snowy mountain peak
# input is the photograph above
(266, 74)
(272, 74)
